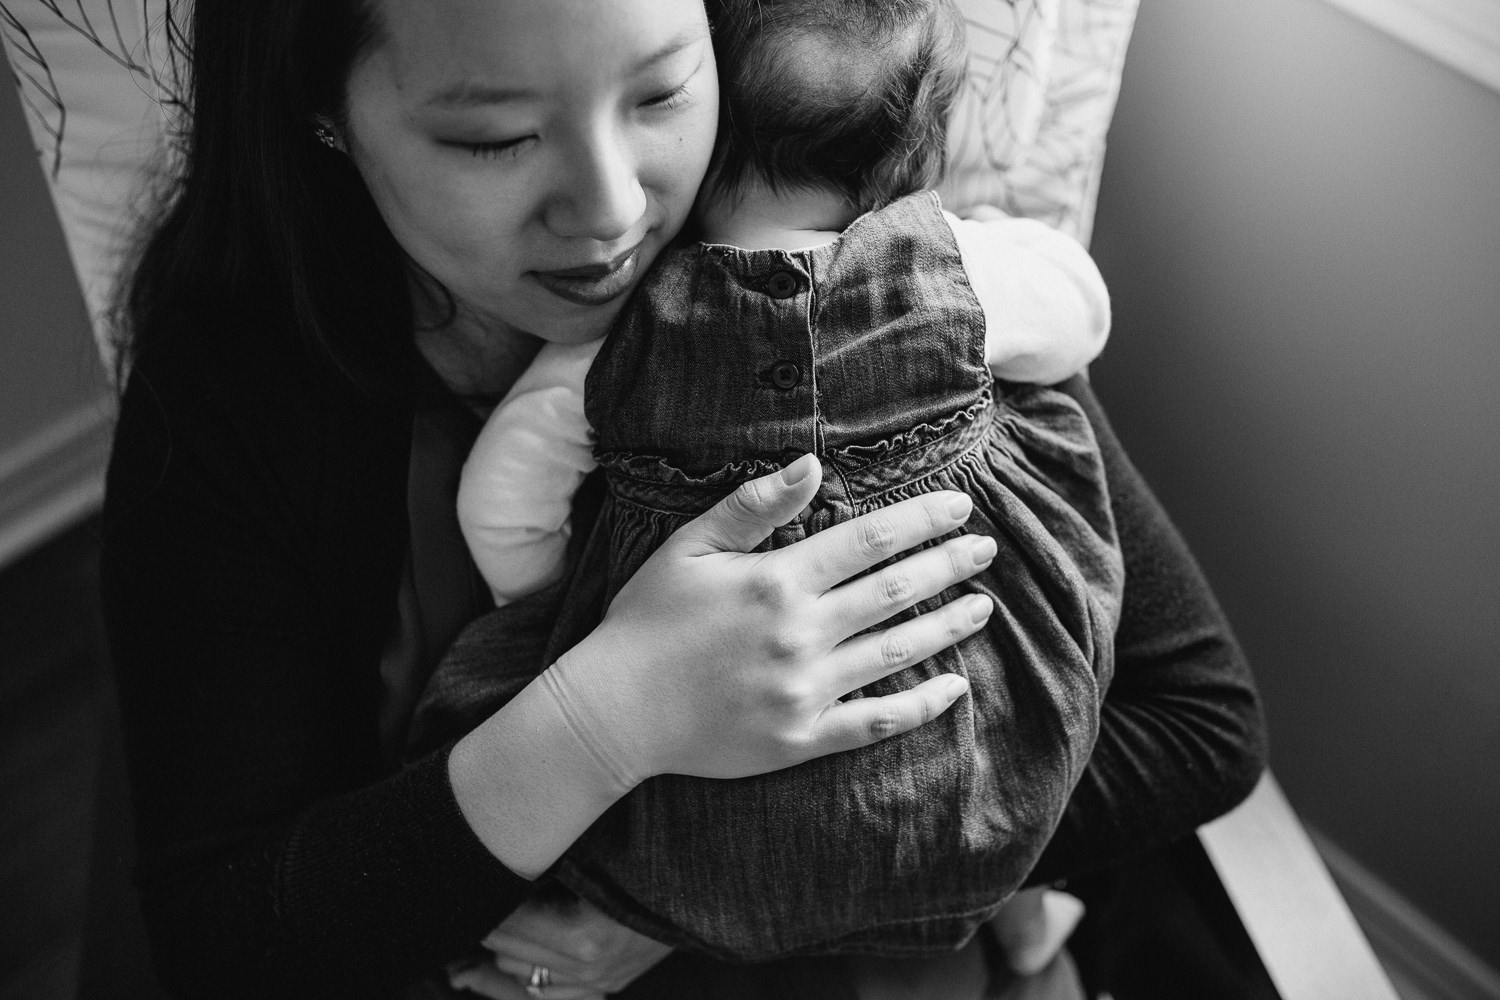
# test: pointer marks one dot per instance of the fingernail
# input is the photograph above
(956, 687)
(982, 549)
(960, 506)
(459, 969)
(979, 608)
(797, 471)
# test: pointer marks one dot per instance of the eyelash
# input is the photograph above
(671, 99)
(494, 150)
(512, 147)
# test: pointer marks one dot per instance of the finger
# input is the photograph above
(870, 600)
(521, 971)
(573, 958)
(488, 981)
(835, 554)
(867, 658)
(747, 516)
(547, 923)
(529, 953)
(852, 724)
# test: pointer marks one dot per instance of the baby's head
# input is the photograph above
(850, 96)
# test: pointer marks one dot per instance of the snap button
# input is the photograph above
(782, 285)
(785, 375)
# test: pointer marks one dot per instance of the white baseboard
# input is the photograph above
(1462, 34)
(1423, 959)
(53, 478)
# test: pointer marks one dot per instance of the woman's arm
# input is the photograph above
(1181, 737)
(254, 535)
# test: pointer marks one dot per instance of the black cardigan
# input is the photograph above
(254, 533)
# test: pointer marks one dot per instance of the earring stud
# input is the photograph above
(327, 137)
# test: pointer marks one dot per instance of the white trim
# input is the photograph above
(54, 477)
(1412, 947)
(1462, 34)
(1301, 927)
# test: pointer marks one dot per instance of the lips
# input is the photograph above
(592, 284)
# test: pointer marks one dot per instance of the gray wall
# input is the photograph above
(1300, 225)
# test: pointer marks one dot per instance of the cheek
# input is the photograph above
(686, 160)
(700, 144)
(698, 151)
(448, 223)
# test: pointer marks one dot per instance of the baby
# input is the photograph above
(831, 307)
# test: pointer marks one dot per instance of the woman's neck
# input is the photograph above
(475, 358)
(756, 217)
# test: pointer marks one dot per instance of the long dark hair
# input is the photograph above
(262, 227)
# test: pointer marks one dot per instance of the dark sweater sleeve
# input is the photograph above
(279, 854)
(1181, 736)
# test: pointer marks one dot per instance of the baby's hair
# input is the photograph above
(851, 95)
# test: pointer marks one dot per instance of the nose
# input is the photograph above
(599, 195)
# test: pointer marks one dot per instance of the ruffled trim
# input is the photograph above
(655, 469)
(917, 436)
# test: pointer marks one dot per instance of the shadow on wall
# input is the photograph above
(1300, 226)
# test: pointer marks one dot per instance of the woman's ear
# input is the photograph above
(329, 134)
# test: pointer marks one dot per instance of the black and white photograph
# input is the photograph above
(750, 500)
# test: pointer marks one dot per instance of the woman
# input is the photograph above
(490, 175)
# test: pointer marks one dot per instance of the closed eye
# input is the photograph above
(670, 99)
(493, 150)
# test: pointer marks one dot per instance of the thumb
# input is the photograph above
(746, 517)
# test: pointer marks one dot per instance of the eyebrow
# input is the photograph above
(474, 93)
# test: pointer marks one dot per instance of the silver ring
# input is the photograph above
(541, 978)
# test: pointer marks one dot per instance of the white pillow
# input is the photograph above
(1028, 133)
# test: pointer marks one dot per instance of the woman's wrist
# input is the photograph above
(528, 784)
(607, 752)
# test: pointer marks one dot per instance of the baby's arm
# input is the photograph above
(517, 488)
(1045, 305)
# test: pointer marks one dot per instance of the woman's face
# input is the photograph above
(534, 156)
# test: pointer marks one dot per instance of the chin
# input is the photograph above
(581, 326)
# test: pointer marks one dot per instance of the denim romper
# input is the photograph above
(868, 352)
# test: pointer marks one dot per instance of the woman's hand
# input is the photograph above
(717, 662)
(586, 955)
